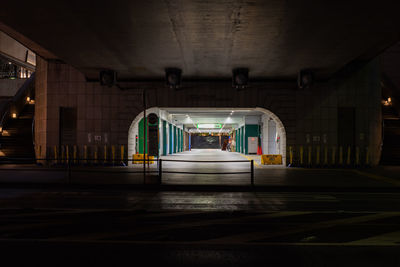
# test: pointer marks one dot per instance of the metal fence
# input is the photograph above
(88, 165)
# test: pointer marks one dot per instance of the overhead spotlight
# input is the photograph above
(108, 77)
(305, 79)
(240, 77)
(173, 77)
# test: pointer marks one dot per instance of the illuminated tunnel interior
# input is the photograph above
(248, 131)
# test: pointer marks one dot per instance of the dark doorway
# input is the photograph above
(68, 121)
(346, 129)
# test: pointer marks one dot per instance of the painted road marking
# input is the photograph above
(378, 177)
(255, 162)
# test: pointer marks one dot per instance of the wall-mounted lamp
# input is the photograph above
(240, 77)
(108, 77)
(305, 79)
(14, 115)
(28, 99)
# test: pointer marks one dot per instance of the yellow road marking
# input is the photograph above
(255, 162)
(379, 177)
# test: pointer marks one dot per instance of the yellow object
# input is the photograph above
(85, 153)
(290, 155)
(349, 155)
(138, 159)
(105, 154)
(357, 156)
(113, 154)
(55, 155)
(122, 153)
(67, 153)
(271, 159)
(75, 154)
(95, 154)
(301, 155)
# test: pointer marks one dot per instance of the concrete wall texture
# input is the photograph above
(310, 116)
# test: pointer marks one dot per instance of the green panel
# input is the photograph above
(170, 138)
(164, 131)
(182, 133)
(141, 139)
(251, 130)
(175, 138)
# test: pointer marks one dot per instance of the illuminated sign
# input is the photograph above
(209, 126)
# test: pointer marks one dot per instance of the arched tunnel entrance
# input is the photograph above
(209, 134)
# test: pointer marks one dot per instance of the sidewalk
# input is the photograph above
(343, 179)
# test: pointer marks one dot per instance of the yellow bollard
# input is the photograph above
(357, 156)
(326, 156)
(105, 154)
(291, 155)
(318, 155)
(301, 155)
(62, 150)
(367, 156)
(348, 161)
(55, 155)
(309, 155)
(85, 154)
(333, 155)
(122, 153)
(75, 154)
(340, 155)
(113, 154)
(67, 153)
(95, 154)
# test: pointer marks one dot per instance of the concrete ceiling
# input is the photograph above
(207, 38)
(228, 118)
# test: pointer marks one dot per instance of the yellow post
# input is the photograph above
(333, 155)
(318, 155)
(62, 150)
(326, 156)
(85, 153)
(105, 154)
(67, 153)
(357, 156)
(55, 155)
(301, 155)
(75, 154)
(122, 153)
(349, 155)
(113, 154)
(367, 156)
(309, 155)
(95, 154)
(340, 155)
(291, 155)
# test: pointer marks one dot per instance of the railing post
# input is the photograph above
(252, 172)
(160, 170)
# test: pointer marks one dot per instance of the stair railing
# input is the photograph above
(12, 108)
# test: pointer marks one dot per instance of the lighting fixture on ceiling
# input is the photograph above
(173, 77)
(240, 77)
(108, 77)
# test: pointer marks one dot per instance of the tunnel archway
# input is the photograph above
(271, 128)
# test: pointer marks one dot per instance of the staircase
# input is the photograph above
(391, 137)
(16, 139)
(16, 119)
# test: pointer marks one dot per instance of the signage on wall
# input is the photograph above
(209, 126)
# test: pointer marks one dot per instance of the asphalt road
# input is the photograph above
(95, 227)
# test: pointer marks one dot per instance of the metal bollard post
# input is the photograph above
(75, 154)
(301, 155)
(318, 155)
(348, 161)
(252, 172)
(160, 171)
(55, 155)
(291, 156)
